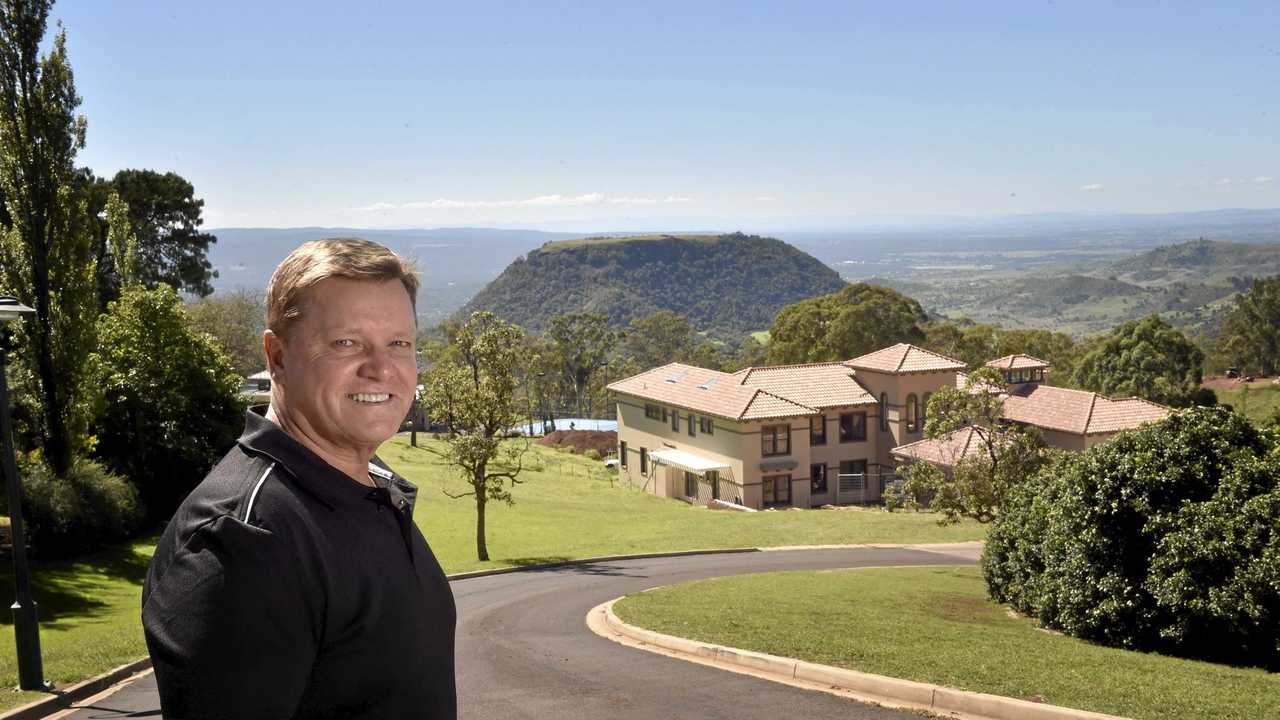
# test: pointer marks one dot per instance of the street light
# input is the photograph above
(26, 627)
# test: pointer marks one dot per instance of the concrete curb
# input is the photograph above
(883, 689)
(75, 693)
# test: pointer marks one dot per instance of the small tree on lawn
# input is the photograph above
(473, 391)
(998, 457)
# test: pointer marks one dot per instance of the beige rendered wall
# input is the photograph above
(835, 451)
(1063, 440)
(753, 477)
(637, 431)
(898, 387)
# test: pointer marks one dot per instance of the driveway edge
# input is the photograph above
(586, 561)
(889, 691)
(928, 547)
(64, 699)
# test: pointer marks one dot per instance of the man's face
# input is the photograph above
(346, 369)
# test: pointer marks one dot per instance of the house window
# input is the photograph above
(713, 477)
(853, 427)
(777, 489)
(913, 413)
(775, 440)
(692, 431)
(654, 412)
(706, 425)
(675, 421)
(818, 479)
(644, 461)
(622, 453)
(690, 484)
(884, 412)
(818, 430)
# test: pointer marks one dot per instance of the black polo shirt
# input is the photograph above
(282, 588)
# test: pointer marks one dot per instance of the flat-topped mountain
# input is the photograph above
(725, 284)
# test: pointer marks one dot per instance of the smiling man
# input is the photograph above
(293, 582)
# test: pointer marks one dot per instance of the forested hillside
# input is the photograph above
(726, 285)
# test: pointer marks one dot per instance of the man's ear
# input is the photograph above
(273, 347)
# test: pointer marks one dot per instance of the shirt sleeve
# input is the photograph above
(231, 626)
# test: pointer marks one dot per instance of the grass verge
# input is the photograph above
(936, 625)
(90, 617)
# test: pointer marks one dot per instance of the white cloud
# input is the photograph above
(539, 201)
(766, 198)
(1091, 187)
(1222, 181)
(1263, 179)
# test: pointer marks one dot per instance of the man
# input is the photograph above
(292, 582)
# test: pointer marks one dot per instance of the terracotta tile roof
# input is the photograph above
(708, 391)
(1078, 411)
(1018, 362)
(817, 385)
(904, 358)
(948, 449)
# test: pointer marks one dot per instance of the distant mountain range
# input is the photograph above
(727, 285)
(1188, 283)
(945, 262)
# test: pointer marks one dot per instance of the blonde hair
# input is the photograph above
(352, 258)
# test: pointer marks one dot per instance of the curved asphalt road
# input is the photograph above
(524, 650)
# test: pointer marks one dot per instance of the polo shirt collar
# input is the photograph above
(329, 484)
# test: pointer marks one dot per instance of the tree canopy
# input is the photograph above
(1146, 358)
(236, 320)
(45, 237)
(165, 217)
(169, 405)
(472, 390)
(1002, 456)
(853, 321)
(1251, 331)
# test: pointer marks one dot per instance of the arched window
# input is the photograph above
(924, 408)
(884, 412)
(913, 413)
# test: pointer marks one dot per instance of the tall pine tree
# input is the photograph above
(46, 255)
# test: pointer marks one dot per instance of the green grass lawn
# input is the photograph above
(566, 508)
(1262, 400)
(936, 625)
(90, 616)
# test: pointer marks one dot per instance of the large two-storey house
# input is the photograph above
(779, 436)
(828, 433)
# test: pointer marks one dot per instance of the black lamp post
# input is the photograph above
(26, 627)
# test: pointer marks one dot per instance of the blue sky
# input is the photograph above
(682, 115)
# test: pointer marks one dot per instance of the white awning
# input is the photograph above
(686, 461)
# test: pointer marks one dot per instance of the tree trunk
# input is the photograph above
(477, 481)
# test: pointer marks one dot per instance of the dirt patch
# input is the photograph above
(602, 441)
(1226, 383)
(963, 608)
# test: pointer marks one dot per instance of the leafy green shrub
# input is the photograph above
(1166, 538)
(169, 406)
(89, 507)
(567, 449)
(592, 454)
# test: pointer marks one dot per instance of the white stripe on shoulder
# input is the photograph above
(380, 472)
(254, 495)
